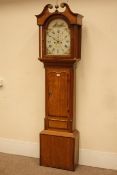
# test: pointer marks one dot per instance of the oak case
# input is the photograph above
(59, 140)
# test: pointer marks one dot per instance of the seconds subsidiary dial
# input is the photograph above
(58, 40)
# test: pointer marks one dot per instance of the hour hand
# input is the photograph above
(52, 37)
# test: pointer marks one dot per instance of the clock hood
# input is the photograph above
(75, 18)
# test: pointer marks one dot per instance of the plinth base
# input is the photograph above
(59, 149)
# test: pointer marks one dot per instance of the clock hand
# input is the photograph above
(53, 38)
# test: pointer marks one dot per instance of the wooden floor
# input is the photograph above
(20, 165)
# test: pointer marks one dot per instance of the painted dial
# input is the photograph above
(58, 40)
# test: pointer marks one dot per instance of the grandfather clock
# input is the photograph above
(59, 50)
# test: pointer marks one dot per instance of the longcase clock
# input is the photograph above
(59, 50)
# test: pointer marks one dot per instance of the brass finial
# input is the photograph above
(56, 7)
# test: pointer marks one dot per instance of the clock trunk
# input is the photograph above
(59, 98)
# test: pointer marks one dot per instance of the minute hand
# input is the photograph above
(53, 38)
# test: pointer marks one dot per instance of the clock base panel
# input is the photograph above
(59, 149)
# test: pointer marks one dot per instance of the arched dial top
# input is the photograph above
(58, 38)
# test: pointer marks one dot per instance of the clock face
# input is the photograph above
(58, 40)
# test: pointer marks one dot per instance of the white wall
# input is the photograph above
(22, 96)
(97, 76)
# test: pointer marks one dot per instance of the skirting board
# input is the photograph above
(87, 157)
(98, 159)
(19, 147)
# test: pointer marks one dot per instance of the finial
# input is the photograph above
(56, 6)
